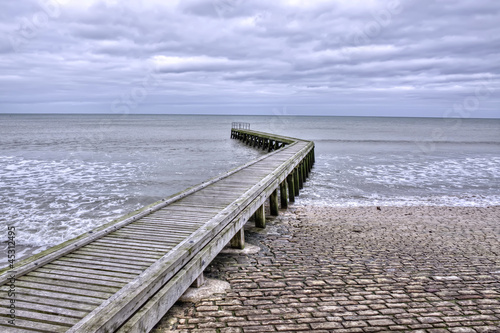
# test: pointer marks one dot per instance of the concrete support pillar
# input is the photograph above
(273, 203)
(260, 217)
(284, 195)
(238, 240)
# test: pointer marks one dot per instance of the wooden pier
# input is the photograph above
(125, 275)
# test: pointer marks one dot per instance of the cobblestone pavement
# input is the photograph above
(357, 270)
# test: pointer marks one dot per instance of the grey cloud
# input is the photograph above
(227, 52)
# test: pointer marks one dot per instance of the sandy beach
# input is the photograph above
(367, 269)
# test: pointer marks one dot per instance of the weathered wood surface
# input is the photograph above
(125, 275)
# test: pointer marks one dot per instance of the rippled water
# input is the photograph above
(398, 161)
(61, 175)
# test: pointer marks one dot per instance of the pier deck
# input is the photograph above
(124, 276)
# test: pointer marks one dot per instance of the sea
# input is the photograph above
(62, 175)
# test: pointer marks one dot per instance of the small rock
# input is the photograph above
(446, 278)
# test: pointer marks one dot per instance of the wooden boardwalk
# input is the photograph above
(124, 276)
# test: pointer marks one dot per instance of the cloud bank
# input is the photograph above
(317, 57)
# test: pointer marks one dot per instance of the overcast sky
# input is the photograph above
(314, 57)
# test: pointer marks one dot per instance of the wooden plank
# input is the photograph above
(161, 230)
(172, 238)
(191, 209)
(24, 282)
(75, 271)
(96, 276)
(79, 264)
(123, 246)
(133, 261)
(20, 291)
(145, 252)
(114, 254)
(22, 304)
(77, 307)
(171, 221)
(168, 234)
(107, 265)
(165, 246)
(5, 327)
(90, 279)
(135, 245)
(166, 243)
(30, 326)
(51, 319)
(180, 217)
(86, 284)
(165, 240)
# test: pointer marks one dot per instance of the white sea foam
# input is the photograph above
(51, 201)
(402, 181)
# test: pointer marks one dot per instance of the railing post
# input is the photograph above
(283, 194)
(291, 187)
(260, 217)
(273, 203)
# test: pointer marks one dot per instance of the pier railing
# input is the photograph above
(124, 276)
(237, 125)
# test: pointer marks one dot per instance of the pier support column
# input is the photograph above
(200, 280)
(301, 176)
(260, 217)
(291, 187)
(238, 240)
(283, 195)
(296, 181)
(304, 171)
(307, 165)
(273, 203)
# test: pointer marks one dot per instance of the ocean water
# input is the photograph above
(62, 175)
